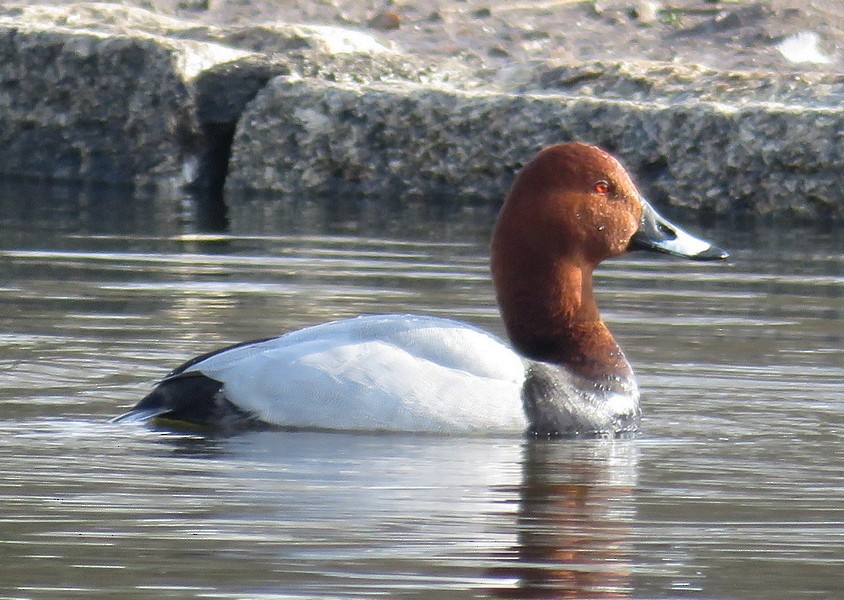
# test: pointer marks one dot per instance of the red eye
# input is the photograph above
(601, 187)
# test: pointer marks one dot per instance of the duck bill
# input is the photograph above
(658, 234)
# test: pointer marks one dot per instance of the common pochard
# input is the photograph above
(562, 374)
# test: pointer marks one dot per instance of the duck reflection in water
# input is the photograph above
(575, 522)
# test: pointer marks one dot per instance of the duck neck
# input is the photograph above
(551, 316)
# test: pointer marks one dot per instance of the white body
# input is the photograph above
(378, 373)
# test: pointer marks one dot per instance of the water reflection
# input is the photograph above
(556, 520)
(575, 523)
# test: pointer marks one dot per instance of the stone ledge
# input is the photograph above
(671, 83)
(101, 92)
(408, 139)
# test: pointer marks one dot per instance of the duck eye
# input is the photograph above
(601, 187)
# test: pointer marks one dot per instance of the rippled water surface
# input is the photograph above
(735, 489)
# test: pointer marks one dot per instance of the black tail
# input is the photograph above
(189, 399)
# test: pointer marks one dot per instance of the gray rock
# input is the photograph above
(97, 102)
(664, 82)
(100, 92)
(309, 136)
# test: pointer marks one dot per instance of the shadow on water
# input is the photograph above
(112, 209)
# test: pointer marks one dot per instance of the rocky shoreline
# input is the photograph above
(99, 92)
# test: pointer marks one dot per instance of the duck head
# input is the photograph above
(570, 208)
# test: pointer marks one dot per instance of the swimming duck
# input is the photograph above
(562, 374)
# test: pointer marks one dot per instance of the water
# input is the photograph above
(735, 489)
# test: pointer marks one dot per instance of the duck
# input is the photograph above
(561, 374)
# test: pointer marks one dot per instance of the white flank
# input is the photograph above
(378, 373)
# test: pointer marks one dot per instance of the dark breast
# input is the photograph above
(559, 403)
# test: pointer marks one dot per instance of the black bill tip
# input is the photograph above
(713, 253)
